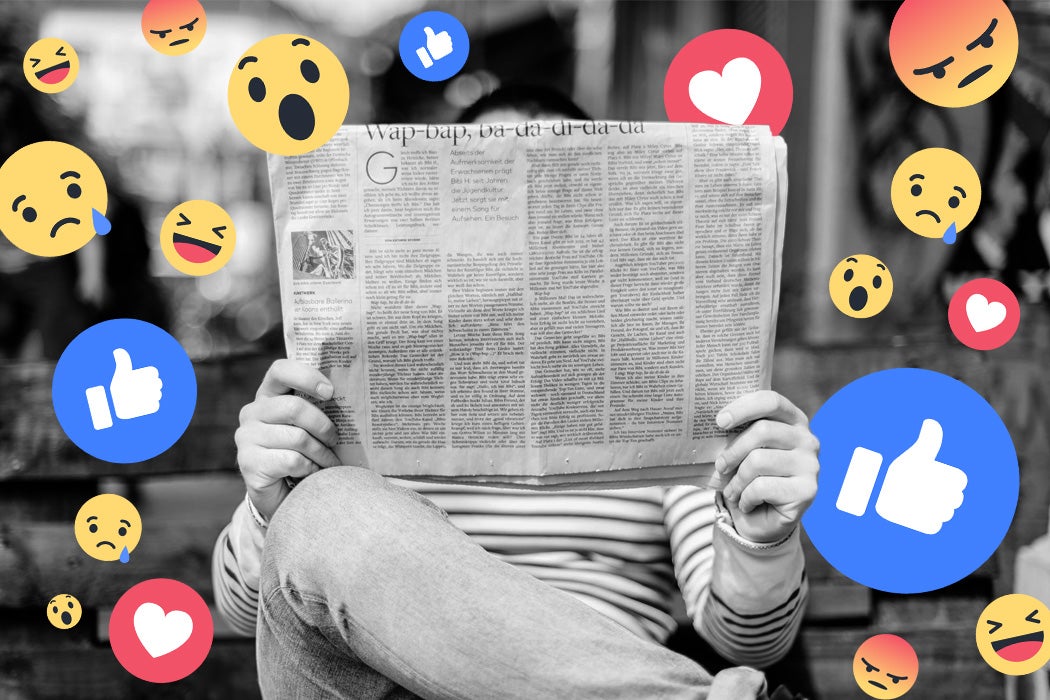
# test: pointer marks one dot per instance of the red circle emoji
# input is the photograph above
(984, 314)
(160, 630)
(729, 76)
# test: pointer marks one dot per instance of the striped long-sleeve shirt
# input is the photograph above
(622, 552)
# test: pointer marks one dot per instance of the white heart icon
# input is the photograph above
(728, 96)
(984, 316)
(162, 634)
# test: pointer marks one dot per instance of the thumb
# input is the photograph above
(928, 443)
(429, 32)
(123, 361)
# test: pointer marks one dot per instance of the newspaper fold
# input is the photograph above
(554, 304)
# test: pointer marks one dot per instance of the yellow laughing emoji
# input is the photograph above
(1012, 634)
(197, 237)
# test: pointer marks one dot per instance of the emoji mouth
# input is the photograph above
(975, 75)
(66, 618)
(1020, 648)
(296, 117)
(858, 298)
(193, 250)
(931, 213)
(62, 222)
(53, 75)
(179, 41)
(105, 542)
(877, 684)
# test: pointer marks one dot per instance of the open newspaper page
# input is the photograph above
(557, 304)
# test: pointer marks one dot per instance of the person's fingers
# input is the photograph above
(761, 462)
(264, 469)
(774, 490)
(297, 411)
(762, 433)
(760, 404)
(288, 437)
(288, 375)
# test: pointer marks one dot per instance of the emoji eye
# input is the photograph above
(869, 668)
(876, 282)
(953, 201)
(34, 62)
(189, 26)
(937, 69)
(995, 626)
(29, 214)
(1032, 618)
(183, 220)
(218, 231)
(93, 528)
(54, 608)
(309, 70)
(70, 605)
(847, 275)
(61, 51)
(122, 531)
(916, 189)
(985, 40)
(896, 679)
(257, 89)
(160, 32)
(73, 190)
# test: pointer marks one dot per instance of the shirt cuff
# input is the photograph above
(724, 520)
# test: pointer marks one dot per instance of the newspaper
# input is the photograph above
(555, 304)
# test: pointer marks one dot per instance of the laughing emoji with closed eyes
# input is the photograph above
(197, 237)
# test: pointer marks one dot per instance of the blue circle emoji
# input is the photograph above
(918, 481)
(124, 391)
(434, 46)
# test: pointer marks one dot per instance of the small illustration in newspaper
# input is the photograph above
(323, 255)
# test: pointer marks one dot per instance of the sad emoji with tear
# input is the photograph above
(936, 193)
(197, 237)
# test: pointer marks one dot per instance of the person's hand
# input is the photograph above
(284, 435)
(768, 471)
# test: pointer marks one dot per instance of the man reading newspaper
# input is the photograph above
(361, 586)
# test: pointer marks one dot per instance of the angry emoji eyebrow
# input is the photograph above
(217, 229)
(69, 173)
(160, 32)
(19, 198)
(245, 61)
(869, 664)
(300, 42)
(937, 68)
(184, 220)
(189, 25)
(985, 39)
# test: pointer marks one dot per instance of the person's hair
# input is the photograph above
(531, 100)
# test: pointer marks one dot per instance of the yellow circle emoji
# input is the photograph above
(51, 65)
(197, 237)
(64, 611)
(288, 94)
(108, 527)
(174, 27)
(936, 193)
(860, 286)
(953, 53)
(52, 199)
(1012, 634)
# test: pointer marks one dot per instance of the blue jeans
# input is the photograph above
(368, 592)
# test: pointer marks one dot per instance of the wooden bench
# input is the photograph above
(186, 496)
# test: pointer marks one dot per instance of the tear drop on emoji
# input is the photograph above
(936, 193)
(64, 611)
(52, 199)
(108, 528)
(860, 286)
(174, 27)
(885, 666)
(197, 237)
(953, 53)
(51, 65)
(288, 94)
(1012, 634)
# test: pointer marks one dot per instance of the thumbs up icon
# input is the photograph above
(438, 45)
(135, 393)
(918, 492)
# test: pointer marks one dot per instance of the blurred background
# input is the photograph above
(160, 130)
